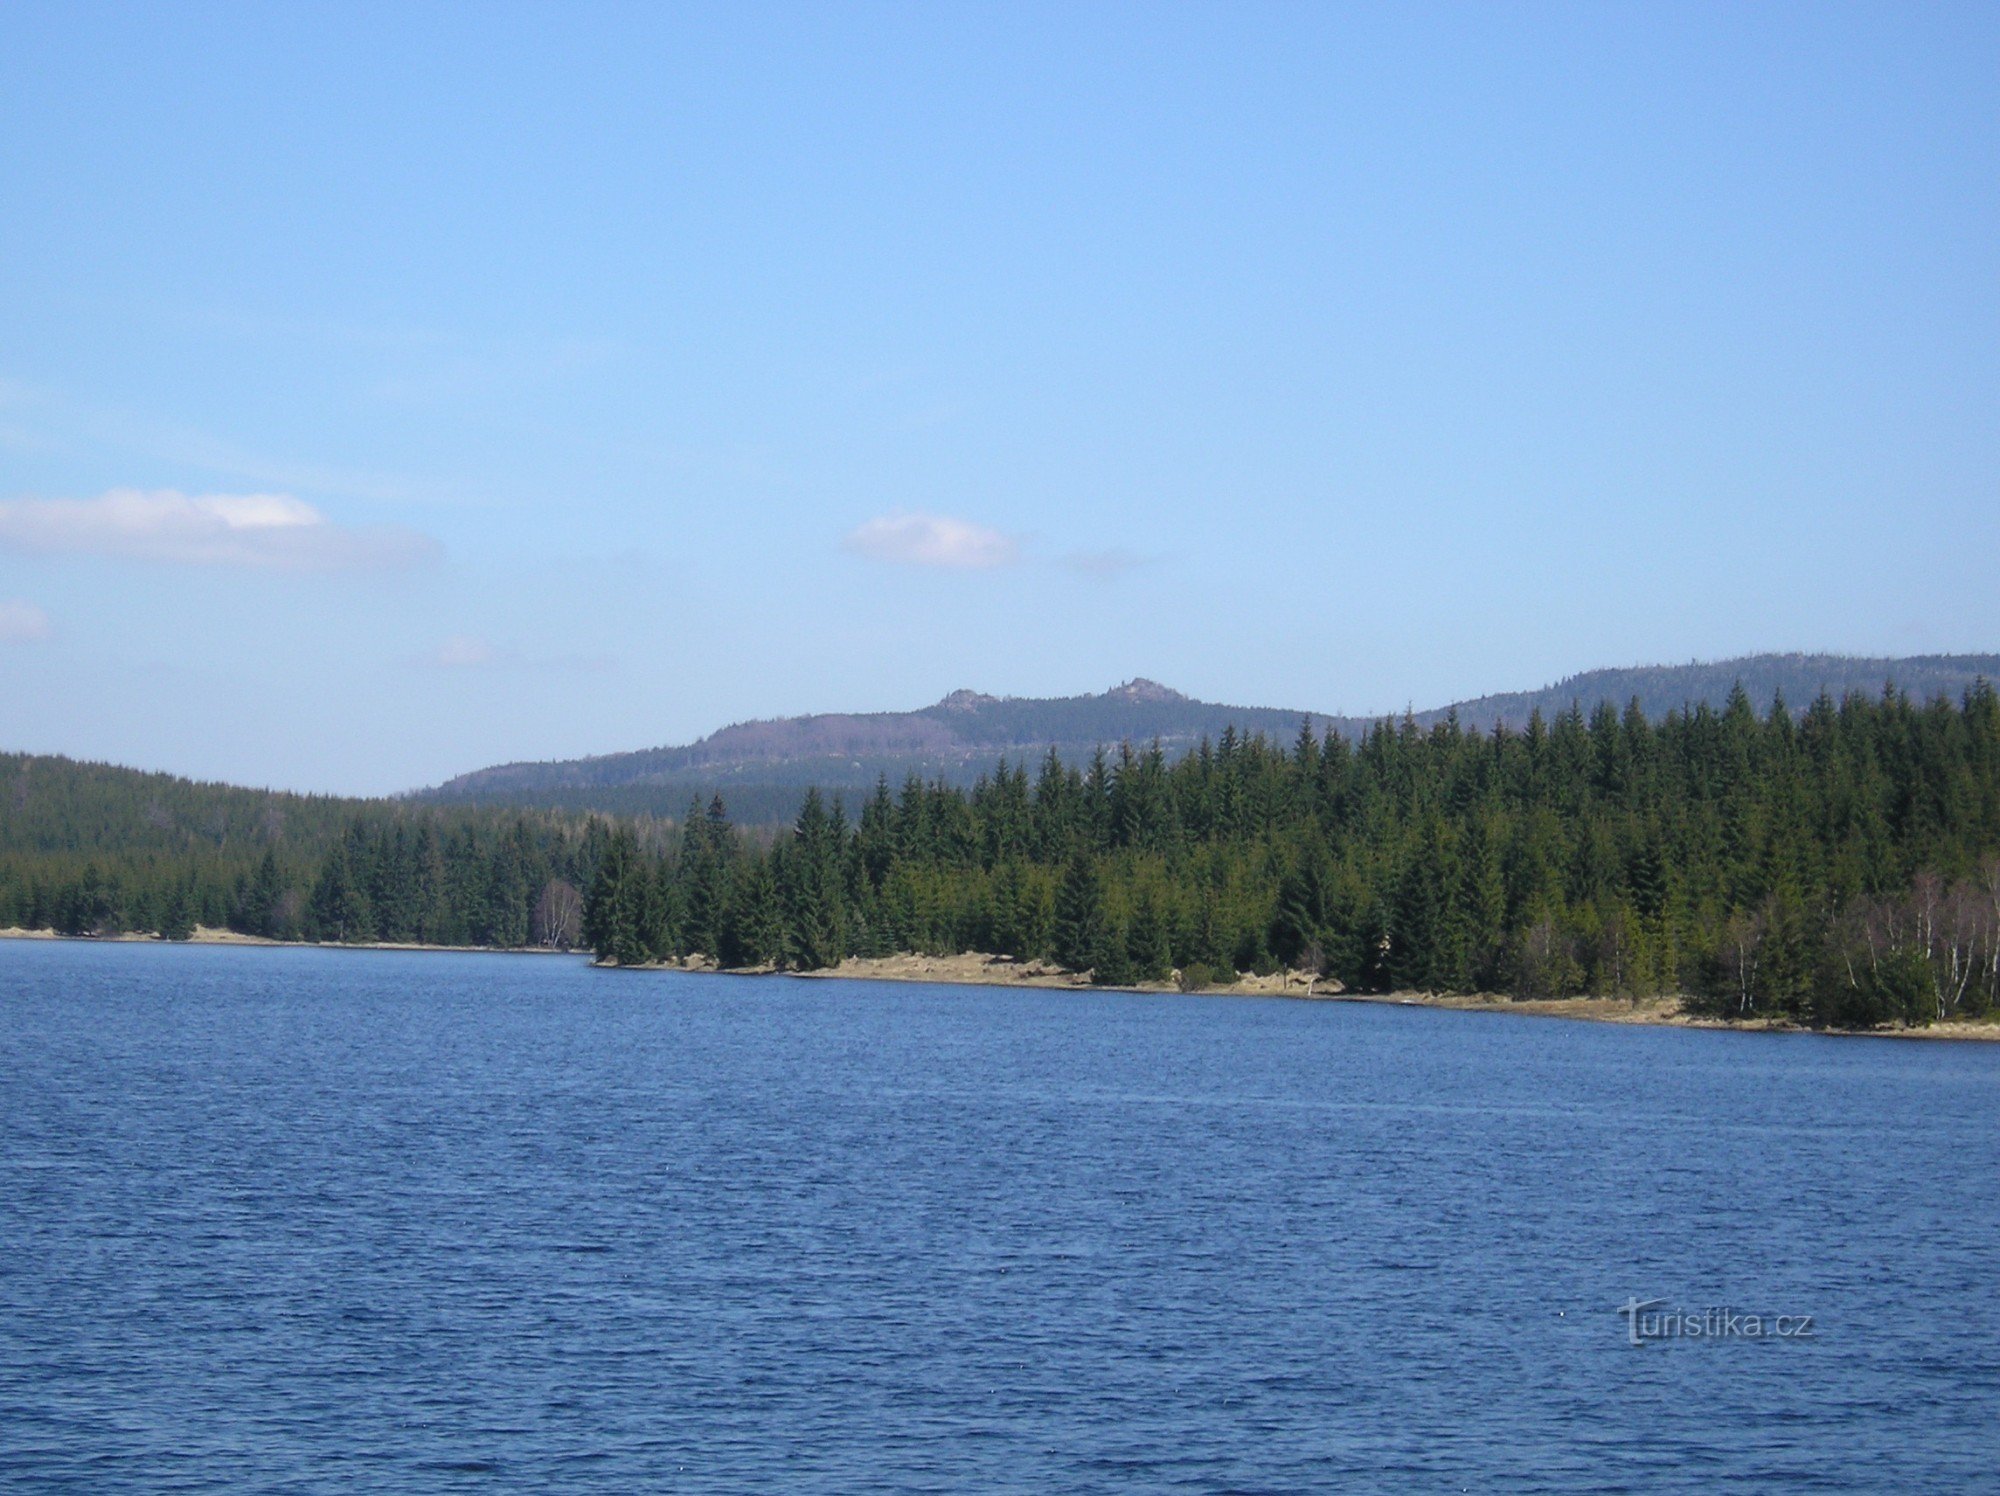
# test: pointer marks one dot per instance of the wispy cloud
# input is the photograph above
(932, 540)
(21, 622)
(264, 531)
(41, 420)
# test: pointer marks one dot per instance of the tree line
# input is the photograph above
(1836, 866)
(394, 882)
(1839, 865)
(90, 849)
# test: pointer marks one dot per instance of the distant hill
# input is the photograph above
(54, 806)
(762, 768)
(765, 766)
(50, 804)
(1660, 689)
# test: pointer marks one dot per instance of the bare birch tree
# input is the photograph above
(558, 915)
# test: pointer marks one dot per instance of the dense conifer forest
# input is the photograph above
(1836, 866)
(89, 849)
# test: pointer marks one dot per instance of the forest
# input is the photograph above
(1836, 866)
(1840, 866)
(90, 849)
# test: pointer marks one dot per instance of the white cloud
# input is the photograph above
(271, 531)
(22, 622)
(932, 540)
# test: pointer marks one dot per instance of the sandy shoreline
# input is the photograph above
(209, 935)
(1659, 1012)
(972, 969)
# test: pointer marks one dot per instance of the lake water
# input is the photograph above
(309, 1219)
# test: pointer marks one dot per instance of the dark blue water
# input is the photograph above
(305, 1220)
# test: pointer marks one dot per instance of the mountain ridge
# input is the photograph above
(1138, 709)
(962, 734)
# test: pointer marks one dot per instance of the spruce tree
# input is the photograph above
(815, 923)
(338, 910)
(1076, 937)
(257, 908)
(1300, 918)
(1148, 946)
(1111, 962)
(753, 931)
(177, 923)
(600, 902)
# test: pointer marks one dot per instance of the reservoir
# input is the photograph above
(308, 1219)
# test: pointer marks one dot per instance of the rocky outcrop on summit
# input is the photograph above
(1140, 689)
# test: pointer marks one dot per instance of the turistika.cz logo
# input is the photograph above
(1647, 1321)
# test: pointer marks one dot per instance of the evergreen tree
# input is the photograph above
(708, 847)
(753, 929)
(616, 906)
(1111, 962)
(257, 906)
(1148, 946)
(177, 923)
(338, 910)
(1303, 905)
(1077, 935)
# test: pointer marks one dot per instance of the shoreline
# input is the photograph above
(211, 935)
(1655, 1012)
(971, 969)
(975, 970)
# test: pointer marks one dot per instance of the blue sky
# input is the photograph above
(390, 391)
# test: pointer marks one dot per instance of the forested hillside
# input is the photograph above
(1837, 869)
(93, 849)
(1659, 689)
(1836, 866)
(763, 769)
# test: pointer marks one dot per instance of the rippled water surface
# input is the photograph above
(309, 1219)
